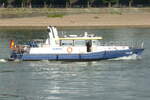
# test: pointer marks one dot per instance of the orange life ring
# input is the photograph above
(69, 49)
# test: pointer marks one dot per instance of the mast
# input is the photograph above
(53, 39)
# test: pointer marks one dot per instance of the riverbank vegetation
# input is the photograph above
(61, 12)
(60, 8)
(72, 3)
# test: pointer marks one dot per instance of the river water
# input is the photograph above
(60, 80)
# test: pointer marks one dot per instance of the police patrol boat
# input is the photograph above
(73, 47)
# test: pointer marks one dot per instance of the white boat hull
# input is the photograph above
(84, 56)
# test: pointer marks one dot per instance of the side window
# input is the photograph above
(95, 42)
(48, 30)
(67, 42)
(79, 43)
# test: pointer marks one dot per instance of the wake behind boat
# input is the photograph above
(73, 47)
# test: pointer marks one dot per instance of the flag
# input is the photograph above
(12, 44)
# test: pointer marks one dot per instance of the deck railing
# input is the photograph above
(131, 44)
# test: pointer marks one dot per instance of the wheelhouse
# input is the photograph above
(88, 42)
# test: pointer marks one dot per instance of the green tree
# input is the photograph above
(26, 3)
(89, 3)
(10, 3)
(130, 3)
(45, 3)
(70, 2)
(23, 3)
(2, 3)
(29, 3)
(109, 2)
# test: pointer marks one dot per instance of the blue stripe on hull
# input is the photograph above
(115, 54)
(96, 55)
(122, 53)
(39, 57)
(68, 56)
(88, 56)
(138, 51)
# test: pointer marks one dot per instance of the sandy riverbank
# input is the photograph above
(80, 20)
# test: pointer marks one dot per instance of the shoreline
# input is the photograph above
(75, 27)
(77, 21)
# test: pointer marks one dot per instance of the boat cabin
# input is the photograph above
(87, 42)
(71, 44)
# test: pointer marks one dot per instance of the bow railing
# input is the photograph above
(131, 44)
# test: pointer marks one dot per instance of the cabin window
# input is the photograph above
(67, 43)
(79, 42)
(95, 42)
(48, 30)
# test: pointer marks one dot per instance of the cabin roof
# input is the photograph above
(81, 38)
